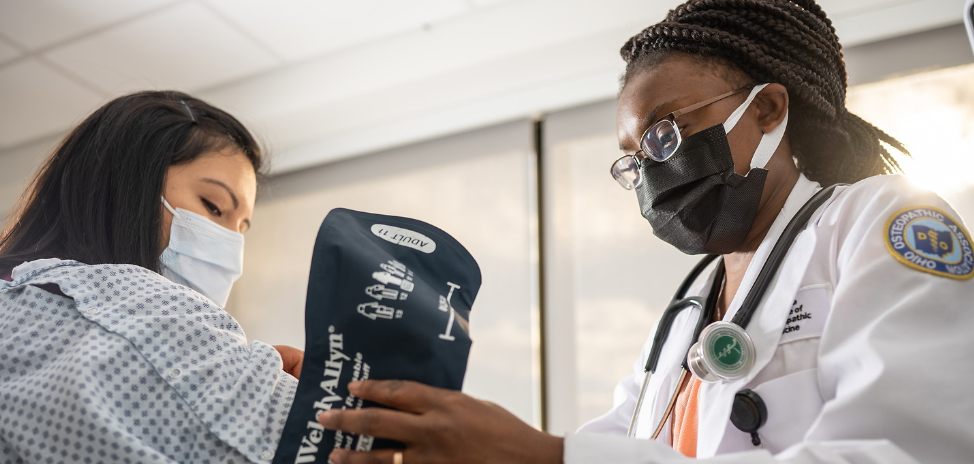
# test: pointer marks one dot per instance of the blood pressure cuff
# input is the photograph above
(388, 298)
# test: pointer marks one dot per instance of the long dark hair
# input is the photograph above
(790, 42)
(96, 199)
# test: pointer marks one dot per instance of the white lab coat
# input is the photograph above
(879, 371)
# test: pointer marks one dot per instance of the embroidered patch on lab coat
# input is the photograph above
(930, 240)
(808, 313)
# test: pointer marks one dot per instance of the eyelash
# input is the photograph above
(210, 206)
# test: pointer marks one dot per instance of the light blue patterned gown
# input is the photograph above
(130, 367)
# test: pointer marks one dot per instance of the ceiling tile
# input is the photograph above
(38, 101)
(299, 29)
(185, 47)
(7, 52)
(39, 23)
(484, 3)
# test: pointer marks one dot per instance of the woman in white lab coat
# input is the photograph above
(731, 116)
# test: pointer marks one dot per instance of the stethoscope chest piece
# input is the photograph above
(723, 352)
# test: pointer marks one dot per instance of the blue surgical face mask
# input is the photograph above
(202, 255)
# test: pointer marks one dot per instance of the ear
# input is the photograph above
(772, 103)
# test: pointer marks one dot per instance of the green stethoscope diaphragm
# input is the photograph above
(724, 352)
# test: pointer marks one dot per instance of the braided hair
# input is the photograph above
(790, 42)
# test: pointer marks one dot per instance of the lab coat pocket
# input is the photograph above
(793, 402)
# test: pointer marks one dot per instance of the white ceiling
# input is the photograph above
(325, 79)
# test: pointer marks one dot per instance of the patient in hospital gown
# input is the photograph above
(115, 363)
(114, 270)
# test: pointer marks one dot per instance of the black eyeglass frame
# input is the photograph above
(645, 150)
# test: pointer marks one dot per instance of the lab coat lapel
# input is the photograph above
(664, 381)
(765, 328)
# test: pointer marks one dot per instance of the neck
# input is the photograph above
(736, 263)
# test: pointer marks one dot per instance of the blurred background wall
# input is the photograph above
(492, 119)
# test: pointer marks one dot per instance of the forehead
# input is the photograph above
(228, 165)
(669, 85)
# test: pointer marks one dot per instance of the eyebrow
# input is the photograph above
(650, 119)
(233, 196)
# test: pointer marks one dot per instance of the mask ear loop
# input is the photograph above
(168, 206)
(736, 115)
(769, 143)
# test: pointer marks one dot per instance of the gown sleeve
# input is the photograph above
(132, 368)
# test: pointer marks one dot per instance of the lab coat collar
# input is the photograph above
(765, 327)
(800, 193)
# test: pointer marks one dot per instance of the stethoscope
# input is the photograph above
(723, 351)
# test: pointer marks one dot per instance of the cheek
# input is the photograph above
(742, 163)
(743, 143)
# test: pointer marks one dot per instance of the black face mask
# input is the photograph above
(695, 201)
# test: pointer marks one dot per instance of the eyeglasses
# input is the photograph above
(658, 143)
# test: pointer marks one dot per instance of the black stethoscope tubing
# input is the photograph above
(681, 302)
